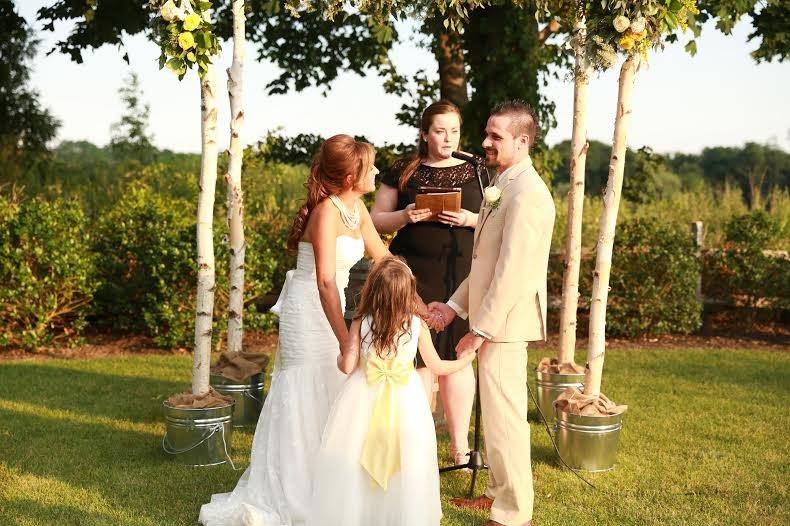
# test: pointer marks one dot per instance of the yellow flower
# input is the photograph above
(192, 21)
(186, 40)
(638, 37)
(621, 23)
(191, 56)
(626, 42)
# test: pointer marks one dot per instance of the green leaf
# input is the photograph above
(175, 65)
(203, 39)
(691, 47)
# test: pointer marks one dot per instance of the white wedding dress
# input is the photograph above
(344, 492)
(275, 489)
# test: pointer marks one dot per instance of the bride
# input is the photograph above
(330, 233)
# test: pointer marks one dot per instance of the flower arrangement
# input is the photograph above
(633, 27)
(184, 32)
(493, 196)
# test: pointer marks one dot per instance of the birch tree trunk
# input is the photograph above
(573, 241)
(204, 308)
(233, 177)
(611, 204)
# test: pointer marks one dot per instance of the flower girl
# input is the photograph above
(377, 465)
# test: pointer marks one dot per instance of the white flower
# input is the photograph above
(170, 12)
(621, 23)
(492, 196)
(638, 25)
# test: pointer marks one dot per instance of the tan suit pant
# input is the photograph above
(503, 398)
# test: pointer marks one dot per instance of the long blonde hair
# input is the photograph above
(389, 297)
(338, 156)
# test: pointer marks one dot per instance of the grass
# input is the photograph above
(705, 441)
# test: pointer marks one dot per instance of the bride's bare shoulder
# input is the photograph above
(325, 214)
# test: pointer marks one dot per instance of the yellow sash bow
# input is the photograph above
(381, 451)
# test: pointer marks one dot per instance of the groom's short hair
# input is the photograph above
(523, 118)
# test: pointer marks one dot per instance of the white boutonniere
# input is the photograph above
(493, 196)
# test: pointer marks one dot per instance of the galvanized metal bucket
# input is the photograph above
(550, 386)
(247, 395)
(198, 437)
(588, 442)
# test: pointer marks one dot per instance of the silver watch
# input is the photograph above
(478, 333)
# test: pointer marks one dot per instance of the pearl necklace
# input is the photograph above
(351, 219)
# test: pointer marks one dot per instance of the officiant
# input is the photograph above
(437, 245)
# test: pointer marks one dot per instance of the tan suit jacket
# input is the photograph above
(505, 292)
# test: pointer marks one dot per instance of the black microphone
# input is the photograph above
(474, 159)
(480, 165)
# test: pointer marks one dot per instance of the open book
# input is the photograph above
(438, 200)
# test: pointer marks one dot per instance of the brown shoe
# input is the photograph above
(478, 503)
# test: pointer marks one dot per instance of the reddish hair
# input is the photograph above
(337, 157)
(404, 168)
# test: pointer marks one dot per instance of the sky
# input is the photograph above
(720, 97)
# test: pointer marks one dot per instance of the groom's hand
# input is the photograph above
(469, 343)
(441, 315)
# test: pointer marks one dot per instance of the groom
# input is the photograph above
(505, 299)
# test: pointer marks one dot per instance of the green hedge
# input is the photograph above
(130, 267)
(654, 280)
(145, 254)
(146, 248)
(742, 272)
(47, 271)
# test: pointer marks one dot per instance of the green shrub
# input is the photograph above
(46, 269)
(144, 246)
(265, 264)
(742, 272)
(653, 281)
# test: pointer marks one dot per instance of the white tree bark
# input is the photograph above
(233, 178)
(611, 204)
(578, 160)
(204, 308)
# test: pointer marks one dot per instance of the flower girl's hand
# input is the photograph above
(467, 357)
(351, 347)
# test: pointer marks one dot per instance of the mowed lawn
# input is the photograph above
(705, 441)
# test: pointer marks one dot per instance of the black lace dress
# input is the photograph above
(439, 255)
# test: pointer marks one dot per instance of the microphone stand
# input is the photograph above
(479, 164)
(475, 462)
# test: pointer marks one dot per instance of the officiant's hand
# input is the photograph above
(471, 342)
(415, 215)
(461, 218)
(441, 315)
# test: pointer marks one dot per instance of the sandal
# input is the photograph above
(461, 457)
